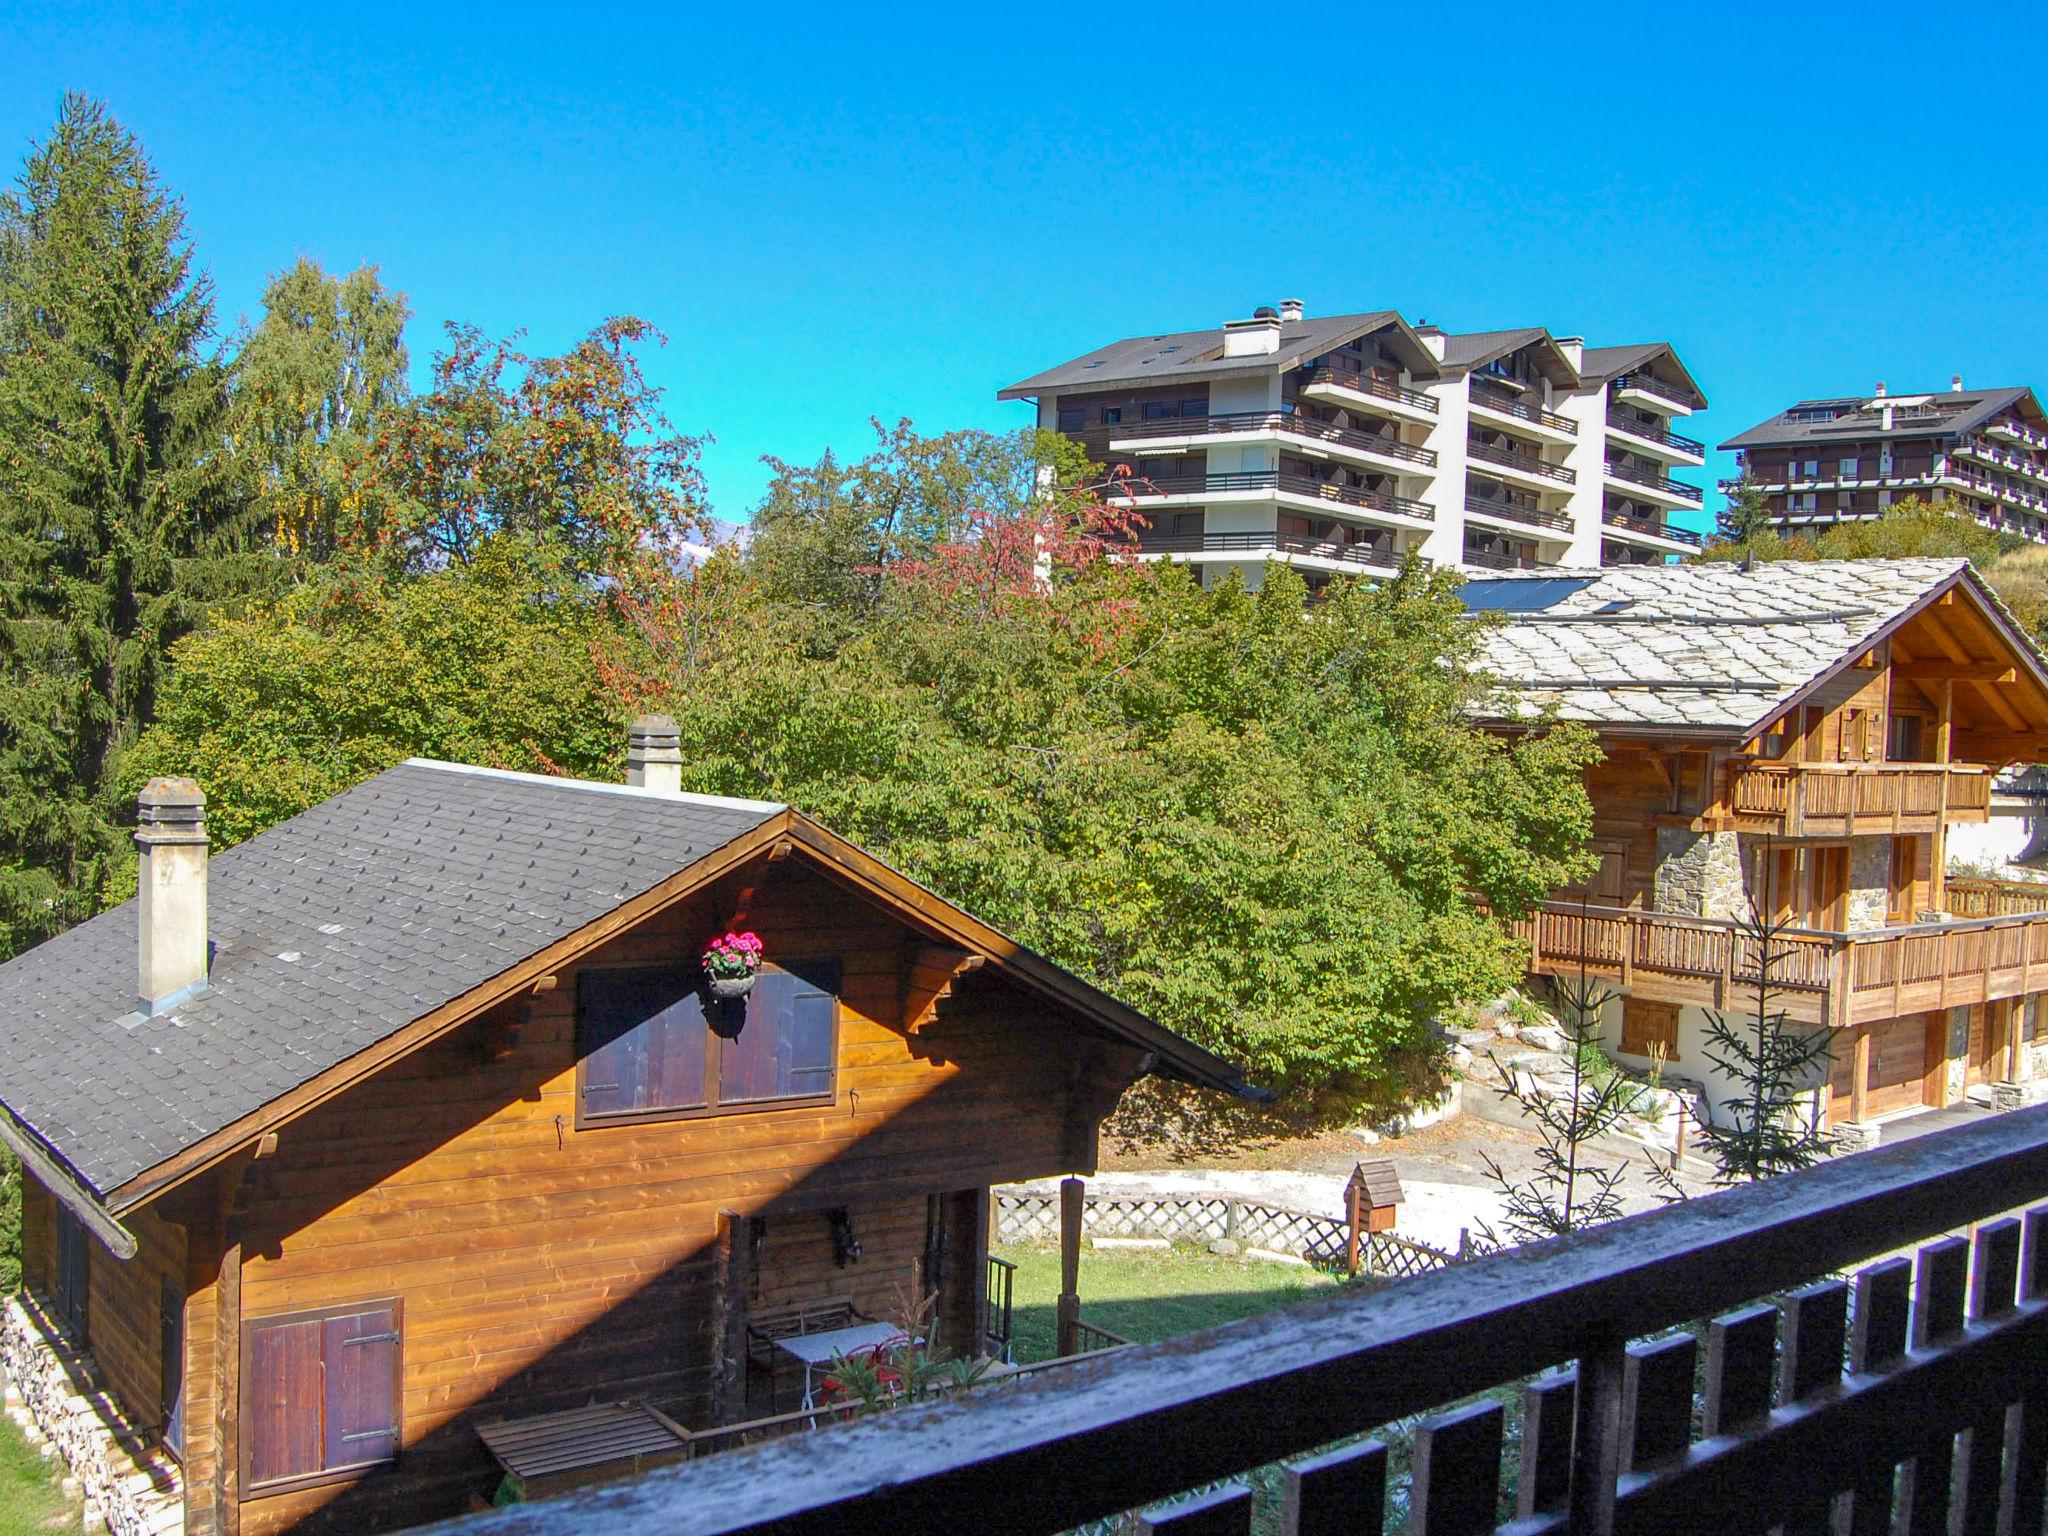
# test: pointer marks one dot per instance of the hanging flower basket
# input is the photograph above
(732, 964)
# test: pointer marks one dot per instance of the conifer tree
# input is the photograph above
(1747, 514)
(113, 507)
(1772, 1124)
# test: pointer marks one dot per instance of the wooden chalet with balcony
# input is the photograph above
(409, 1144)
(1793, 740)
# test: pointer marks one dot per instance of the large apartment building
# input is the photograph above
(1340, 445)
(1827, 461)
(1799, 740)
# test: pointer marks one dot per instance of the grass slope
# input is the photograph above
(31, 1503)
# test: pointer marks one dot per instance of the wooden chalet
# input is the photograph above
(1794, 739)
(413, 1117)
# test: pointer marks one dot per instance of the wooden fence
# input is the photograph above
(1912, 1390)
(1023, 1216)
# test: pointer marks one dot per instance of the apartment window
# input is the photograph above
(321, 1394)
(648, 1049)
(1847, 469)
(1112, 414)
(1811, 469)
(1073, 418)
(1159, 410)
(1906, 739)
(1194, 409)
(1649, 1029)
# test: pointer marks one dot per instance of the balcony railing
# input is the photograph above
(1319, 1416)
(1819, 977)
(1369, 384)
(1650, 384)
(1996, 898)
(1637, 475)
(1623, 422)
(1275, 480)
(1500, 400)
(1378, 557)
(1489, 507)
(1528, 463)
(1651, 527)
(1497, 562)
(1845, 799)
(1288, 423)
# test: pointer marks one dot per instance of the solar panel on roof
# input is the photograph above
(1493, 595)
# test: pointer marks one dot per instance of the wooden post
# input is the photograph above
(1354, 1213)
(1072, 1195)
(1596, 1440)
(1859, 1084)
(2015, 1008)
(1944, 734)
(227, 1382)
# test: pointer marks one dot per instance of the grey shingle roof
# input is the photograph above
(1707, 647)
(1197, 355)
(1961, 412)
(331, 931)
(1469, 349)
(1600, 363)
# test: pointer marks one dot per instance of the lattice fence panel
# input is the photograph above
(1028, 1218)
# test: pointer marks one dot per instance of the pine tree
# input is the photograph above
(1747, 514)
(112, 498)
(1773, 1126)
(1567, 1192)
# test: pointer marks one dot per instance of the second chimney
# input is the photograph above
(1290, 311)
(170, 897)
(1955, 383)
(654, 754)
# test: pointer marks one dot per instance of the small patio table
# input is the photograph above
(821, 1349)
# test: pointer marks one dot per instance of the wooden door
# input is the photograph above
(1988, 1025)
(1827, 893)
(1898, 1053)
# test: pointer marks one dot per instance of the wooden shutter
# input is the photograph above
(785, 1051)
(641, 1036)
(74, 1270)
(361, 1358)
(171, 1364)
(281, 1398)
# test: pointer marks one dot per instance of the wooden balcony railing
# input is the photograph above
(1838, 979)
(1621, 421)
(1682, 1402)
(1527, 463)
(1996, 898)
(1650, 384)
(1840, 799)
(1288, 423)
(1364, 553)
(1495, 399)
(1490, 507)
(1276, 480)
(1369, 384)
(1655, 480)
(1653, 527)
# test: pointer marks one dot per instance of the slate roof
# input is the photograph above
(1600, 363)
(1470, 349)
(1962, 412)
(1195, 355)
(331, 931)
(1709, 648)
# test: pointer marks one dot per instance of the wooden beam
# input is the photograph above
(1958, 671)
(68, 1192)
(2000, 705)
(1073, 1196)
(929, 971)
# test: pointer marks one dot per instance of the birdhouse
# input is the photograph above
(1372, 1194)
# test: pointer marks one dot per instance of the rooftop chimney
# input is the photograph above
(1574, 350)
(1255, 337)
(1880, 389)
(654, 754)
(170, 915)
(1955, 383)
(1290, 312)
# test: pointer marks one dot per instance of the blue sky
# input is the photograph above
(895, 211)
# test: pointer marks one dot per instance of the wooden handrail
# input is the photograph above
(1117, 1431)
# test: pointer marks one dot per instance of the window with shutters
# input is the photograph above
(70, 1282)
(649, 1048)
(321, 1393)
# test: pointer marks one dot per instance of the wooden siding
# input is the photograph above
(542, 1265)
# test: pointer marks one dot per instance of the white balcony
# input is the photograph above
(1657, 489)
(1337, 386)
(1653, 394)
(1651, 442)
(1298, 434)
(1640, 533)
(1523, 418)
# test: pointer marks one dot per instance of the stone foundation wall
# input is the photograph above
(54, 1391)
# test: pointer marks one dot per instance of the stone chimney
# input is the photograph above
(1290, 312)
(170, 900)
(654, 754)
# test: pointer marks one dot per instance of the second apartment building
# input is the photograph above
(1340, 445)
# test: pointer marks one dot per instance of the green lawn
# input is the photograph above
(31, 1503)
(1150, 1295)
